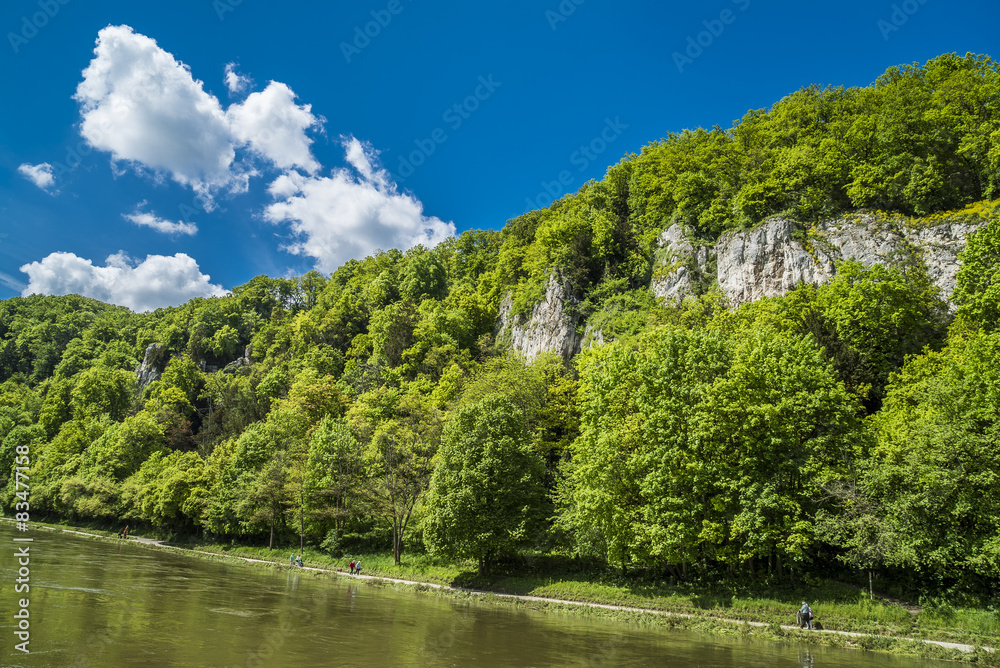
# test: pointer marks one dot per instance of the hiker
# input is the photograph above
(125, 533)
(121, 532)
(806, 616)
(291, 560)
(357, 567)
(352, 566)
(298, 560)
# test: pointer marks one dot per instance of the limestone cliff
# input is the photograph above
(151, 367)
(766, 261)
(551, 327)
(769, 260)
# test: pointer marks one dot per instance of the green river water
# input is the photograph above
(108, 604)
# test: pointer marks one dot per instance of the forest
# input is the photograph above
(854, 424)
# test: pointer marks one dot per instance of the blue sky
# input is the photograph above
(152, 152)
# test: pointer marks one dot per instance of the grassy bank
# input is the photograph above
(712, 605)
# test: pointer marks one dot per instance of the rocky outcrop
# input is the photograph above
(551, 327)
(766, 262)
(680, 268)
(239, 362)
(150, 370)
(769, 260)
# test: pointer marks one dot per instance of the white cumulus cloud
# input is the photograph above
(351, 213)
(40, 175)
(235, 82)
(144, 107)
(157, 281)
(146, 219)
(275, 127)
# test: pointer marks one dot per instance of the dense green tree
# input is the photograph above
(933, 471)
(103, 391)
(638, 482)
(423, 276)
(401, 452)
(880, 315)
(694, 445)
(337, 478)
(977, 289)
(167, 491)
(486, 492)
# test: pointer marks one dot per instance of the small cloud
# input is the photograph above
(351, 213)
(146, 219)
(156, 282)
(236, 83)
(273, 126)
(40, 175)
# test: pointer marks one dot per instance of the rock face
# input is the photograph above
(682, 266)
(551, 327)
(768, 262)
(239, 362)
(148, 370)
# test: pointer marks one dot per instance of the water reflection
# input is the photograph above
(103, 603)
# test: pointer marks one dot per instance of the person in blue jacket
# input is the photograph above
(806, 616)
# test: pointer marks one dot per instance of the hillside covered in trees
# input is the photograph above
(856, 422)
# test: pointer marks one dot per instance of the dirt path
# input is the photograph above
(521, 597)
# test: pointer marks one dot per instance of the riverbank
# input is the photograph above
(848, 622)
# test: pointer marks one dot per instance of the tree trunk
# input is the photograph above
(397, 541)
(270, 545)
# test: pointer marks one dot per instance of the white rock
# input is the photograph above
(549, 329)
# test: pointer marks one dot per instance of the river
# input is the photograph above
(108, 604)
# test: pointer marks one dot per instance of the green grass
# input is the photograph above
(418, 567)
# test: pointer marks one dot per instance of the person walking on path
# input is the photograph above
(357, 567)
(352, 567)
(807, 614)
(291, 560)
